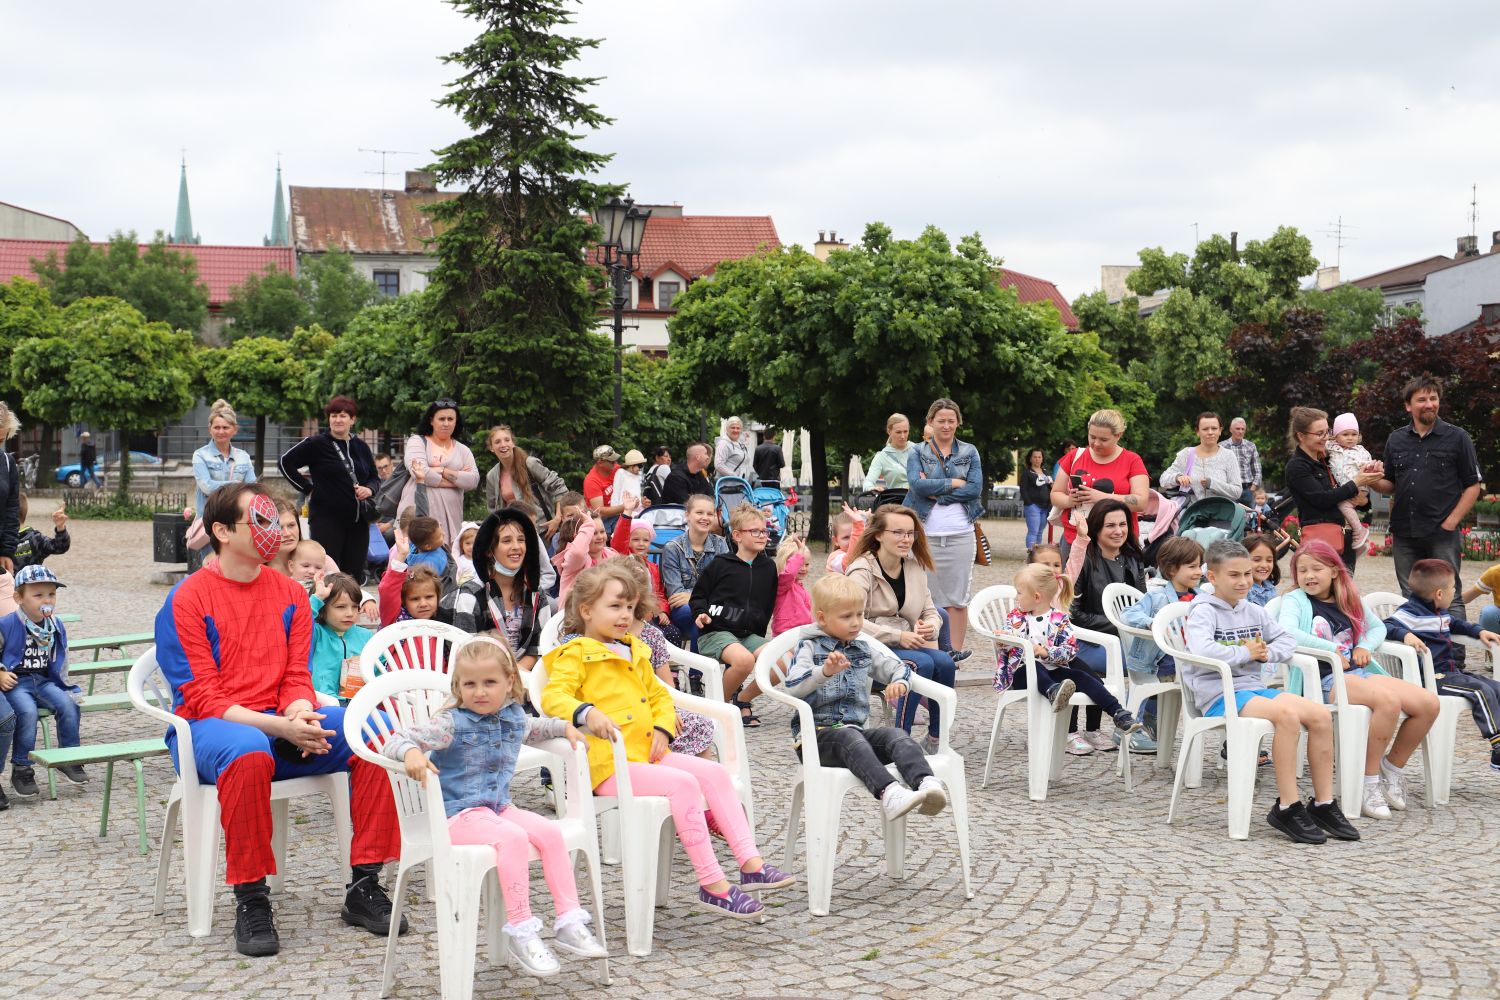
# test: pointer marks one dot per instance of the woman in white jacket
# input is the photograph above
(732, 455)
(1205, 470)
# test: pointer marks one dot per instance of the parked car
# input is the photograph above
(72, 474)
(1005, 501)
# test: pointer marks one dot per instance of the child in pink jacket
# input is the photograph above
(580, 544)
(793, 602)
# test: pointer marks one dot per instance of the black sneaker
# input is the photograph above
(4, 802)
(366, 905)
(1296, 823)
(1332, 819)
(1059, 693)
(1126, 722)
(960, 655)
(23, 782)
(73, 774)
(1495, 759)
(254, 930)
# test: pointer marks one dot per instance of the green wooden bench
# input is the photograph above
(68, 618)
(112, 702)
(93, 668)
(102, 642)
(135, 751)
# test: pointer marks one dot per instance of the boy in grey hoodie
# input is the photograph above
(1227, 627)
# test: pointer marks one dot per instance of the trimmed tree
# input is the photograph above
(266, 377)
(513, 279)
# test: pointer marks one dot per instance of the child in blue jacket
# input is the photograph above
(35, 672)
(1180, 563)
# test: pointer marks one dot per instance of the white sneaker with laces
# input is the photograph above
(1100, 740)
(934, 799)
(1374, 805)
(897, 800)
(1395, 788)
(1078, 746)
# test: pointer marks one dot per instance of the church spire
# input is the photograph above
(182, 232)
(278, 237)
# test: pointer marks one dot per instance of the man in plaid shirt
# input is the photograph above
(1244, 449)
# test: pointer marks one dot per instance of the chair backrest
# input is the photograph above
(1168, 630)
(1118, 597)
(550, 632)
(1382, 603)
(990, 606)
(1273, 608)
(151, 695)
(410, 645)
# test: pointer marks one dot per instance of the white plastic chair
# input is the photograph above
(458, 875)
(988, 609)
(640, 827)
(411, 645)
(818, 791)
(1242, 735)
(1168, 694)
(197, 804)
(1114, 680)
(1400, 660)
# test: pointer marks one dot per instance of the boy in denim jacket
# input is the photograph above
(1180, 563)
(831, 670)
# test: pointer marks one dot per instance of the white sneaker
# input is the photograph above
(897, 800)
(1395, 788)
(1078, 746)
(934, 799)
(530, 952)
(1374, 805)
(576, 937)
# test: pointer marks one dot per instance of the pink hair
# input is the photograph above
(1345, 593)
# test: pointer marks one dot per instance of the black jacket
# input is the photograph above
(1312, 486)
(682, 484)
(32, 546)
(331, 487)
(10, 503)
(767, 462)
(1031, 493)
(740, 596)
(1087, 610)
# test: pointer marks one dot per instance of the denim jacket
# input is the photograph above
(680, 566)
(475, 754)
(212, 470)
(929, 479)
(1142, 655)
(844, 698)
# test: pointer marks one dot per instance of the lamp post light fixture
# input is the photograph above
(623, 225)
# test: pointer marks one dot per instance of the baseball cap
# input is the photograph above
(36, 573)
(604, 453)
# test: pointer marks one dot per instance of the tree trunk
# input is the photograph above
(47, 455)
(122, 491)
(817, 529)
(260, 444)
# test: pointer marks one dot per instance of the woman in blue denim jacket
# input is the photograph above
(218, 462)
(946, 489)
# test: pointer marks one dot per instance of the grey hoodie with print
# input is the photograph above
(1214, 628)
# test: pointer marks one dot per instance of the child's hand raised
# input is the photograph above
(835, 664)
(321, 586)
(60, 518)
(418, 766)
(895, 691)
(600, 725)
(402, 547)
(1415, 641)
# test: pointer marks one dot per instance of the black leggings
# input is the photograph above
(867, 752)
(1086, 682)
(348, 542)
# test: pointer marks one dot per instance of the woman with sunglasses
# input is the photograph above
(442, 468)
(340, 477)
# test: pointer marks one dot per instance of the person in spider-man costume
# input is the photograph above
(233, 640)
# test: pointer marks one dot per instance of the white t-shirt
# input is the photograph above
(626, 482)
(947, 519)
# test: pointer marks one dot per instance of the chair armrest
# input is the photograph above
(327, 700)
(624, 791)
(806, 726)
(1409, 662)
(1492, 655)
(1226, 677)
(712, 670)
(947, 700)
(729, 731)
(573, 764)
(1114, 655)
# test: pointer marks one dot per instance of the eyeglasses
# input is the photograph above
(753, 532)
(900, 534)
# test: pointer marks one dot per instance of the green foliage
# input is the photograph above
(107, 366)
(385, 362)
(1119, 326)
(1350, 313)
(654, 412)
(336, 291)
(513, 279)
(26, 311)
(161, 283)
(270, 304)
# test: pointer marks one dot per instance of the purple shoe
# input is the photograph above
(769, 877)
(734, 903)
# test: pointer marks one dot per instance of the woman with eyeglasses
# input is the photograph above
(442, 469)
(340, 476)
(891, 561)
(1310, 480)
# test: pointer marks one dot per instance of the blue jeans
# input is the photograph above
(7, 730)
(1093, 659)
(30, 690)
(1036, 525)
(934, 664)
(945, 632)
(1489, 618)
(218, 743)
(683, 618)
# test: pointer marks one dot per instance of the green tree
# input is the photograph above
(107, 366)
(513, 279)
(336, 290)
(1119, 326)
(27, 311)
(268, 378)
(160, 282)
(270, 304)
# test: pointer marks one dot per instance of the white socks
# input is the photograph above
(1386, 767)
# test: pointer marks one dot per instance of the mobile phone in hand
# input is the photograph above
(1077, 481)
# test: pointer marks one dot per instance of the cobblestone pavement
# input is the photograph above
(1086, 894)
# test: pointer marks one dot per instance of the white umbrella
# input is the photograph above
(788, 451)
(856, 476)
(805, 480)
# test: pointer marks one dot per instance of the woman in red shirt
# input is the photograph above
(1103, 462)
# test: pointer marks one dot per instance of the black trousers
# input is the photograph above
(347, 541)
(866, 752)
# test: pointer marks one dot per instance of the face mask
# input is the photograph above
(504, 570)
(265, 527)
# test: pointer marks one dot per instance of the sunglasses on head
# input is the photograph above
(445, 404)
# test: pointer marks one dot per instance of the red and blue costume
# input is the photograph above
(222, 643)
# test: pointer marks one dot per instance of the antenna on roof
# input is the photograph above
(1338, 229)
(1474, 210)
(383, 154)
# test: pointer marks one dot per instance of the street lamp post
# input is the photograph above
(624, 225)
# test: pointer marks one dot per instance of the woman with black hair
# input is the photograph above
(340, 477)
(1113, 556)
(441, 468)
(505, 596)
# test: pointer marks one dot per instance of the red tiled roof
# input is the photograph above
(220, 269)
(1033, 289)
(693, 245)
(363, 220)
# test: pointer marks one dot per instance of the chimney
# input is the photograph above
(822, 236)
(1328, 277)
(1468, 246)
(1495, 241)
(420, 182)
(828, 241)
(1489, 314)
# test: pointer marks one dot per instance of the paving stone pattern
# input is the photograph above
(1087, 894)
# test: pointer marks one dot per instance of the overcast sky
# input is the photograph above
(1068, 134)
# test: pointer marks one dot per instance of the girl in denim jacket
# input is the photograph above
(472, 746)
(1039, 618)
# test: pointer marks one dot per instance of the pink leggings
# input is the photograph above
(687, 781)
(509, 833)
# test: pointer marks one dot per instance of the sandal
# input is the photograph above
(747, 716)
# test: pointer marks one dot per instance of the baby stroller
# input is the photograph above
(1212, 518)
(731, 491)
(669, 520)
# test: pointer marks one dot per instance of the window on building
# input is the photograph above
(389, 283)
(666, 291)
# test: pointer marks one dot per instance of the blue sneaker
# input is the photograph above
(769, 877)
(734, 903)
